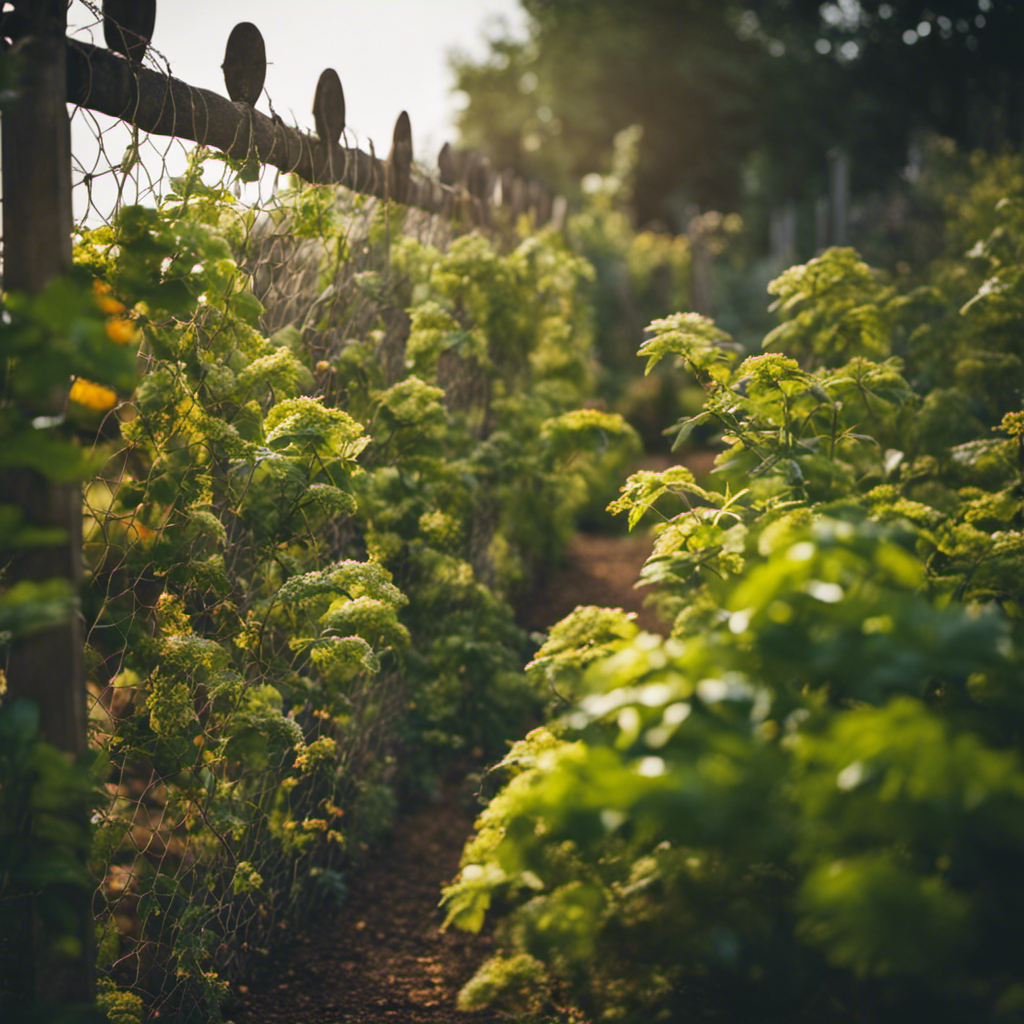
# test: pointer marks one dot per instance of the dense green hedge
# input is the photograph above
(806, 803)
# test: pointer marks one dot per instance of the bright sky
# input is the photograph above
(391, 55)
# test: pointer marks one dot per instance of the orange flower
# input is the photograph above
(121, 331)
(93, 396)
(141, 532)
(106, 302)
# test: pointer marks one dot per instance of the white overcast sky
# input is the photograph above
(391, 55)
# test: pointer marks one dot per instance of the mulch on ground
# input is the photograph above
(382, 957)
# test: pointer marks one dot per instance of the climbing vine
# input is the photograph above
(303, 531)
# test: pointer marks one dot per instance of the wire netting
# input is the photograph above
(204, 867)
(355, 427)
(231, 811)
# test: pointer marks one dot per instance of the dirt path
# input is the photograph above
(383, 958)
(595, 569)
(603, 569)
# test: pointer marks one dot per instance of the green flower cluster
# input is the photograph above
(346, 450)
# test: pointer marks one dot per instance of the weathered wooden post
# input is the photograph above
(839, 194)
(399, 165)
(245, 64)
(47, 666)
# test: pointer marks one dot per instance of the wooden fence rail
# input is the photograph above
(116, 84)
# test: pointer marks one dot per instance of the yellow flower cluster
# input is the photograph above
(121, 331)
(92, 395)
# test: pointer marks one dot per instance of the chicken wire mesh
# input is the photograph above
(227, 815)
(201, 874)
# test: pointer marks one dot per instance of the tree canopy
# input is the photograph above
(741, 98)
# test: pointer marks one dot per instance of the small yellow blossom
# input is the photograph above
(1013, 424)
(93, 396)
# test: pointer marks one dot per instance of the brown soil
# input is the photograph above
(383, 957)
(603, 570)
(595, 569)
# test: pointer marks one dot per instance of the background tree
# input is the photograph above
(553, 103)
(743, 100)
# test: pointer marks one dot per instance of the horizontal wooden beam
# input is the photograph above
(105, 82)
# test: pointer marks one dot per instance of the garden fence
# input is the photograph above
(299, 285)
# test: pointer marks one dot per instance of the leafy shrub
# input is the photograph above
(806, 803)
(45, 806)
(345, 453)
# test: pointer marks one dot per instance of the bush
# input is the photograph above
(807, 803)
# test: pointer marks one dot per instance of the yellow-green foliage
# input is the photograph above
(833, 308)
(516, 980)
(302, 543)
(120, 1007)
(807, 804)
(585, 635)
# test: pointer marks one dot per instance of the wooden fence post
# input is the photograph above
(48, 666)
(839, 194)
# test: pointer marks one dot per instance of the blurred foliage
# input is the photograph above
(66, 354)
(45, 806)
(551, 105)
(807, 802)
(739, 99)
(638, 276)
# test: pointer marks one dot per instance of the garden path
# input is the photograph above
(383, 957)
